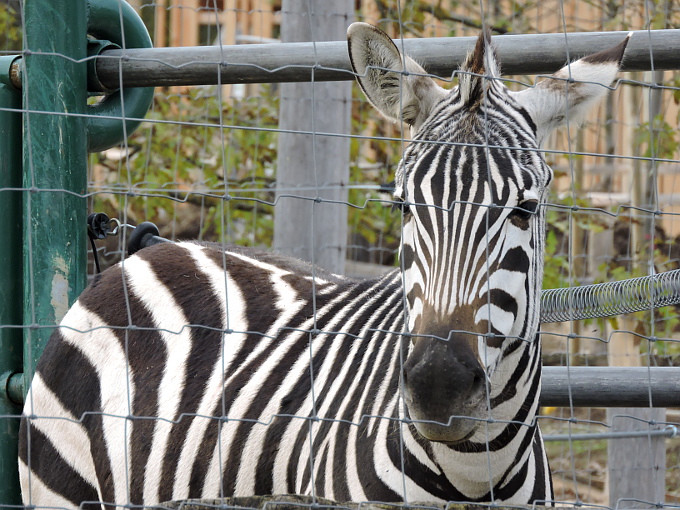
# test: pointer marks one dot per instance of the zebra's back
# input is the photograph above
(236, 375)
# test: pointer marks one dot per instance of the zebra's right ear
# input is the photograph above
(571, 91)
(395, 85)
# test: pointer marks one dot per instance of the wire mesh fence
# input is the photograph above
(307, 169)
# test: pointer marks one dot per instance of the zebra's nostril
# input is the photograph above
(477, 382)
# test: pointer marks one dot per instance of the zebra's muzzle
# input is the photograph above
(444, 389)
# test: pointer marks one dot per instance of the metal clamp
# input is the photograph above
(10, 71)
(115, 25)
(12, 387)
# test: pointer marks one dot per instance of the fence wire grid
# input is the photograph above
(207, 163)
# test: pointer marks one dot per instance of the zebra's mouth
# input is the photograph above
(457, 442)
(449, 432)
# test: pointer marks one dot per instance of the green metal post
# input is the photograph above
(43, 257)
(10, 276)
(54, 83)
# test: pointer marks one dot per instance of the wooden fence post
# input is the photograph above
(313, 166)
(637, 466)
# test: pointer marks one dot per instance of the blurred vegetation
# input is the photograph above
(202, 163)
(10, 27)
(197, 180)
(197, 169)
(204, 169)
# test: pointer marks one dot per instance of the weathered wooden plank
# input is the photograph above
(297, 502)
(311, 167)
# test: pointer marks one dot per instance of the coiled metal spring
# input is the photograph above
(611, 298)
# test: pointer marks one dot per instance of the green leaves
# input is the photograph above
(10, 29)
(658, 138)
(197, 168)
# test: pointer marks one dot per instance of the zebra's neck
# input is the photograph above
(485, 466)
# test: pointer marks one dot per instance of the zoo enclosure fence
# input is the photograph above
(281, 62)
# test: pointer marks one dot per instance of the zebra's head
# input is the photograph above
(472, 183)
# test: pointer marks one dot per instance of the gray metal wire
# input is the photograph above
(611, 298)
(669, 431)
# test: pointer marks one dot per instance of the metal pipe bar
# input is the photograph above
(610, 387)
(11, 309)
(669, 431)
(328, 61)
(54, 167)
(569, 386)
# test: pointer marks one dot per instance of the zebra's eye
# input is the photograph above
(525, 209)
(404, 207)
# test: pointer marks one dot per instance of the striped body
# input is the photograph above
(190, 371)
(187, 376)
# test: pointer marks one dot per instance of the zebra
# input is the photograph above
(193, 371)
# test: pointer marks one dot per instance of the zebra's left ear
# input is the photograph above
(394, 83)
(571, 91)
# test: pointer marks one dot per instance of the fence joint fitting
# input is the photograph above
(95, 86)
(10, 70)
(112, 119)
(12, 384)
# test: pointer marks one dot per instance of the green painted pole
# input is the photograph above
(10, 276)
(54, 83)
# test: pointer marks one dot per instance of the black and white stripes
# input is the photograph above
(189, 371)
(183, 375)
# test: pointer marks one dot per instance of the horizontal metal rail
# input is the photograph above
(328, 61)
(610, 387)
(561, 387)
(669, 431)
